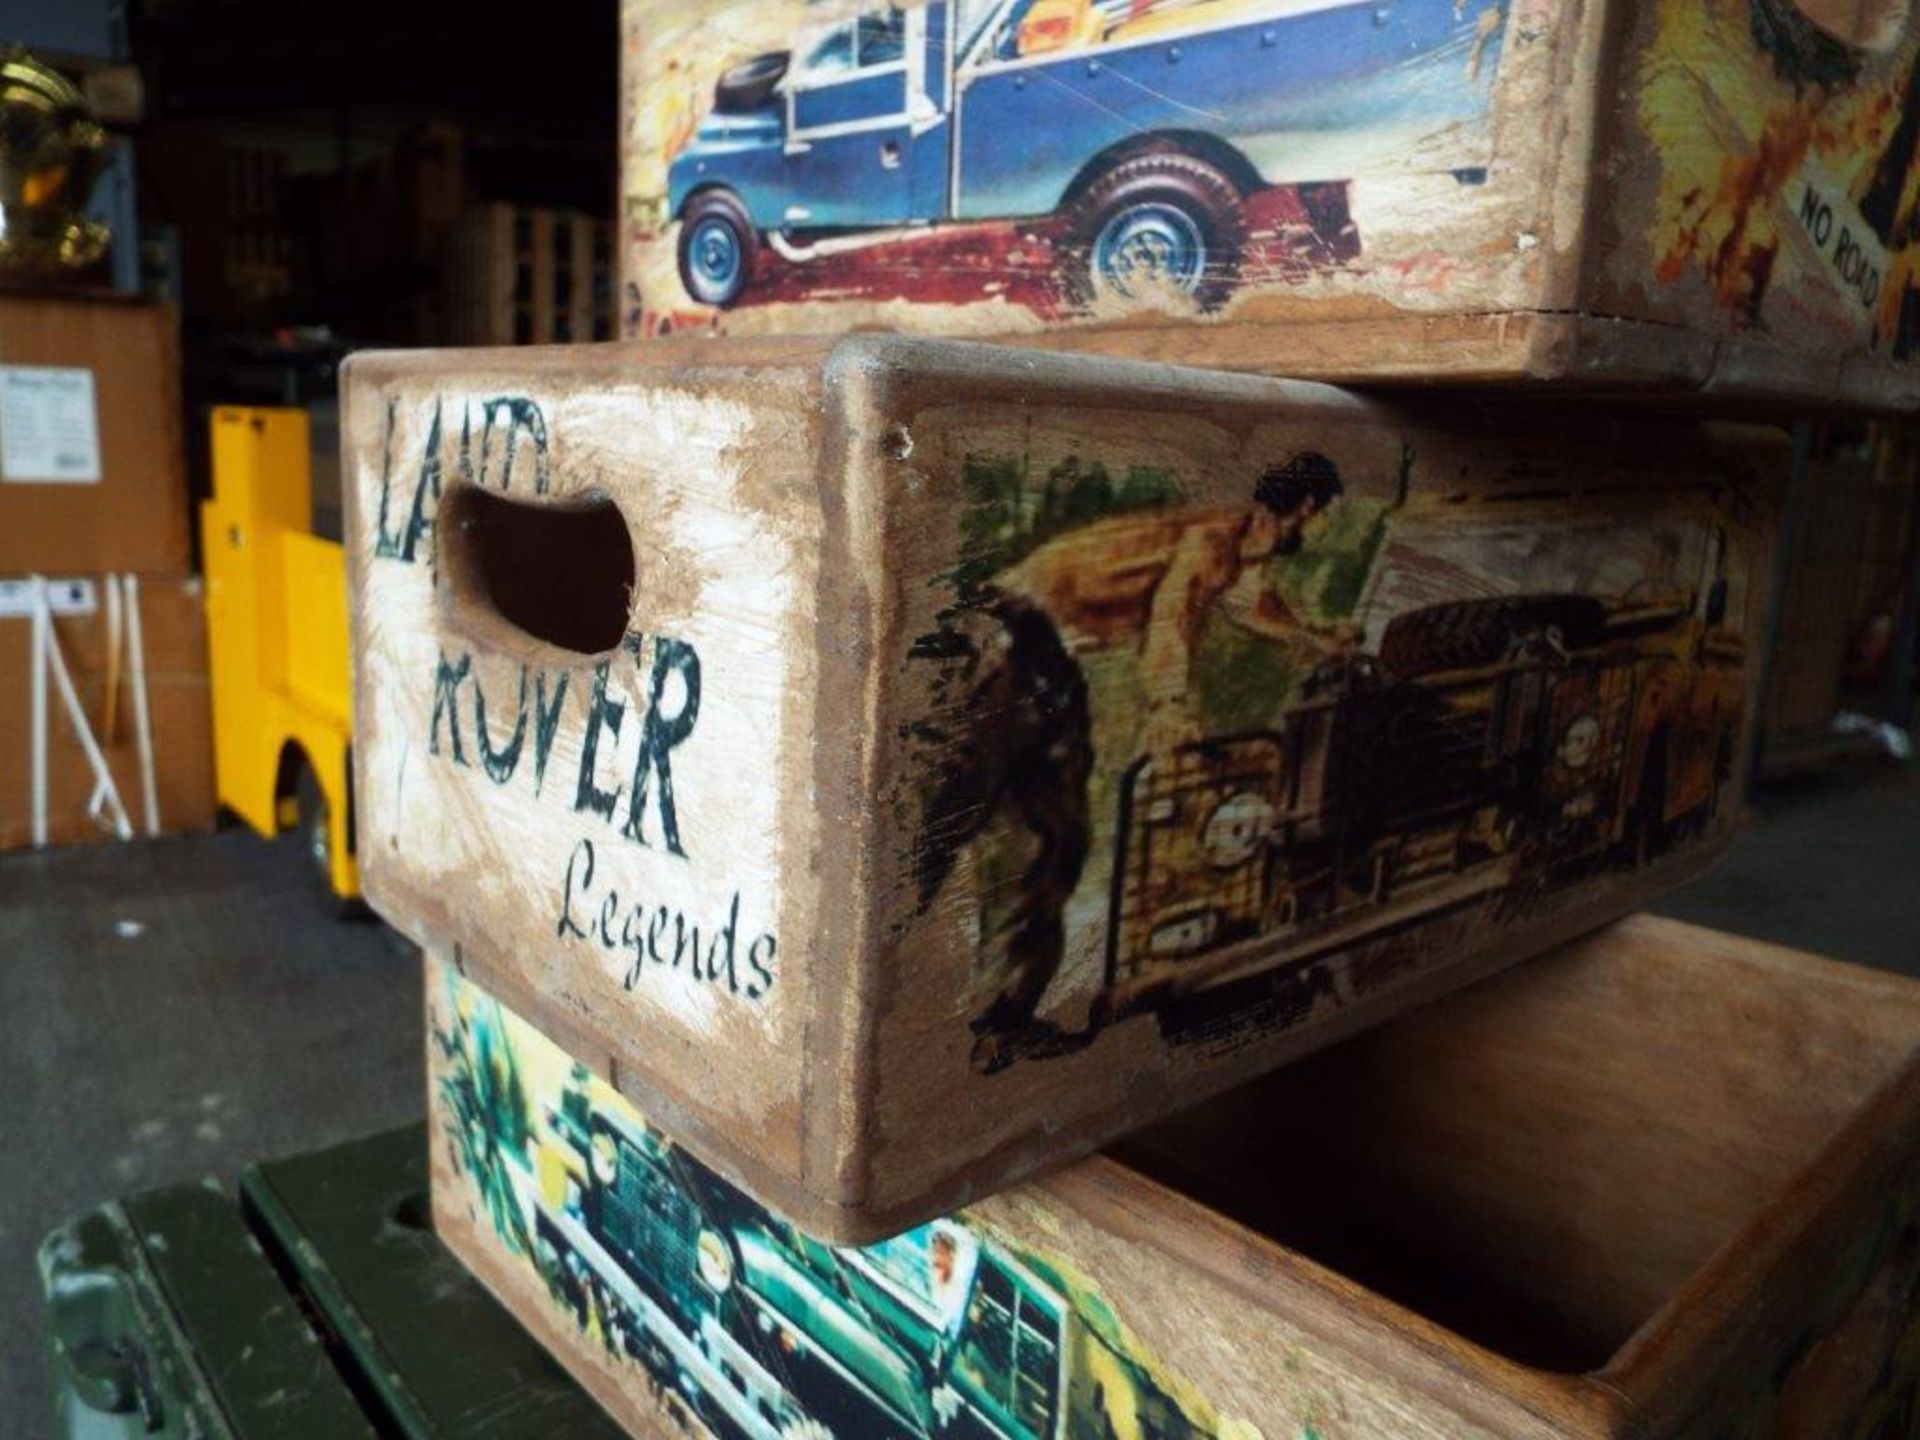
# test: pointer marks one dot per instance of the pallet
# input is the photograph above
(312, 1300)
(522, 275)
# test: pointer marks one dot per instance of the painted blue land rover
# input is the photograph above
(1141, 125)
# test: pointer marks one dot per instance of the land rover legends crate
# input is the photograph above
(901, 764)
(1720, 196)
(1591, 1199)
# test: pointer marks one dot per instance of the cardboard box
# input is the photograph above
(173, 626)
(1661, 1183)
(908, 763)
(120, 500)
(1713, 196)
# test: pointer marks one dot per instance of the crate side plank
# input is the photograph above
(1028, 859)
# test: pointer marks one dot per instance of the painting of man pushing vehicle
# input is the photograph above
(1165, 756)
(1020, 737)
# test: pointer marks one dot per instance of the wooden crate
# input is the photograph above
(905, 764)
(520, 275)
(1662, 1183)
(1681, 196)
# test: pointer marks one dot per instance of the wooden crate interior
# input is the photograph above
(1542, 1162)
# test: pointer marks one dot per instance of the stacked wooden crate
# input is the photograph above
(1590, 1199)
(1067, 738)
(1710, 199)
(838, 779)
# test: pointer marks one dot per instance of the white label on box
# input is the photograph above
(64, 597)
(49, 430)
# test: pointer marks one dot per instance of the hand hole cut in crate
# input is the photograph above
(561, 572)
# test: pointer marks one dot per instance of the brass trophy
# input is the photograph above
(51, 153)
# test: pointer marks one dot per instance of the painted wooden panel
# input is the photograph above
(1696, 195)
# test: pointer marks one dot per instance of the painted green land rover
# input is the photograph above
(764, 1332)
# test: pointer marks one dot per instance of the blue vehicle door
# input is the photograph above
(851, 106)
(1303, 92)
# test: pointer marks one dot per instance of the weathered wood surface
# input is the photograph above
(1662, 1183)
(1715, 197)
(941, 759)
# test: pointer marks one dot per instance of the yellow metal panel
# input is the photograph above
(276, 626)
(260, 486)
(316, 617)
(324, 740)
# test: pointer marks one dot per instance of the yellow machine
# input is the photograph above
(277, 641)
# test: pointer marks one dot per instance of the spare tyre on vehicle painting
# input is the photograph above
(1134, 132)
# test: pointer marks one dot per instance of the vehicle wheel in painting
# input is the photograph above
(1161, 220)
(717, 248)
(316, 845)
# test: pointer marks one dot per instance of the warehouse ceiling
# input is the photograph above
(543, 68)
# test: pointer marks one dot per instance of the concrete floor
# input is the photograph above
(1829, 863)
(239, 1022)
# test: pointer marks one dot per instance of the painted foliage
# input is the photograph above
(1190, 758)
(1044, 159)
(1788, 137)
(738, 1325)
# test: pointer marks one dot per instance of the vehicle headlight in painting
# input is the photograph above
(1579, 742)
(715, 1261)
(1236, 829)
(1184, 932)
(606, 1160)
